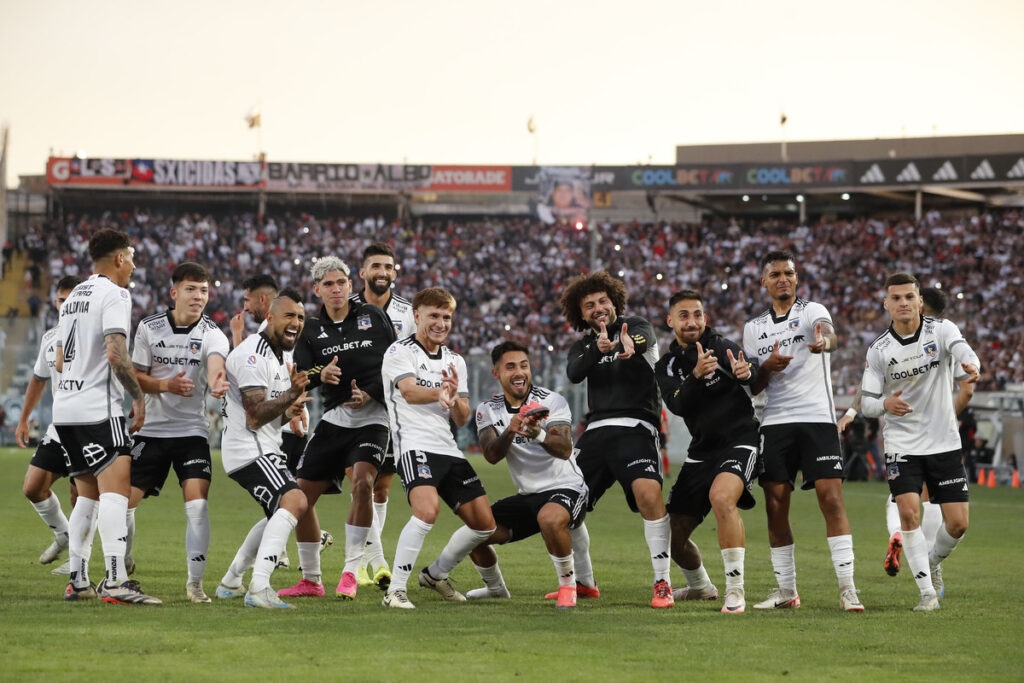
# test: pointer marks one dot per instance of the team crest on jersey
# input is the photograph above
(194, 345)
(793, 324)
(397, 324)
(423, 471)
(363, 322)
(251, 361)
(931, 349)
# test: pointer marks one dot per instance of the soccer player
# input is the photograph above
(792, 341)
(908, 378)
(49, 462)
(425, 385)
(92, 350)
(551, 496)
(702, 379)
(178, 354)
(379, 273)
(344, 346)
(617, 358)
(263, 389)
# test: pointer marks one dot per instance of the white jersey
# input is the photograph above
(399, 309)
(88, 392)
(920, 367)
(803, 391)
(46, 369)
(163, 350)
(252, 365)
(420, 427)
(532, 468)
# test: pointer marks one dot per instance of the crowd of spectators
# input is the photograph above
(507, 274)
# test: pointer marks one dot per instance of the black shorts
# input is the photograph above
(690, 494)
(292, 445)
(153, 456)
(333, 449)
(518, 513)
(623, 454)
(812, 448)
(91, 448)
(50, 456)
(454, 478)
(943, 472)
(388, 466)
(266, 479)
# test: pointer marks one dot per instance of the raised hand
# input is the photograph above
(628, 349)
(740, 366)
(973, 374)
(449, 391)
(331, 374)
(604, 344)
(777, 361)
(220, 385)
(359, 397)
(896, 405)
(299, 379)
(706, 363)
(180, 385)
(237, 325)
(819, 340)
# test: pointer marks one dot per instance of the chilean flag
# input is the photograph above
(142, 170)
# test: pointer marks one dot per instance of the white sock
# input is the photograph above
(581, 556)
(50, 512)
(309, 560)
(374, 553)
(659, 536)
(462, 542)
(492, 577)
(892, 516)
(81, 527)
(915, 549)
(113, 525)
(129, 538)
(784, 564)
(942, 548)
(733, 560)
(410, 541)
(381, 511)
(842, 559)
(564, 569)
(355, 546)
(931, 520)
(245, 556)
(698, 578)
(275, 536)
(197, 537)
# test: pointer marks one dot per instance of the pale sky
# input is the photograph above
(455, 81)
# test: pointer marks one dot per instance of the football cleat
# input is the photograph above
(227, 592)
(194, 591)
(363, 577)
(53, 551)
(566, 597)
(662, 594)
(128, 593)
(398, 599)
(891, 564)
(72, 594)
(485, 592)
(735, 603)
(709, 592)
(937, 584)
(929, 603)
(63, 569)
(347, 586)
(382, 577)
(581, 592)
(326, 540)
(303, 589)
(266, 599)
(849, 601)
(780, 599)
(443, 587)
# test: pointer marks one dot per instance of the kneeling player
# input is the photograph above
(425, 385)
(552, 496)
(722, 458)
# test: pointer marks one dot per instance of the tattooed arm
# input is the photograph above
(260, 411)
(121, 365)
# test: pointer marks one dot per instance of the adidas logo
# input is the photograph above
(873, 175)
(983, 172)
(423, 367)
(660, 556)
(764, 335)
(160, 344)
(1018, 169)
(909, 174)
(735, 573)
(649, 468)
(405, 567)
(945, 173)
(271, 558)
(893, 361)
(199, 558)
(920, 575)
(965, 487)
(323, 334)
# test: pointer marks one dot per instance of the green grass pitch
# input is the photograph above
(976, 636)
